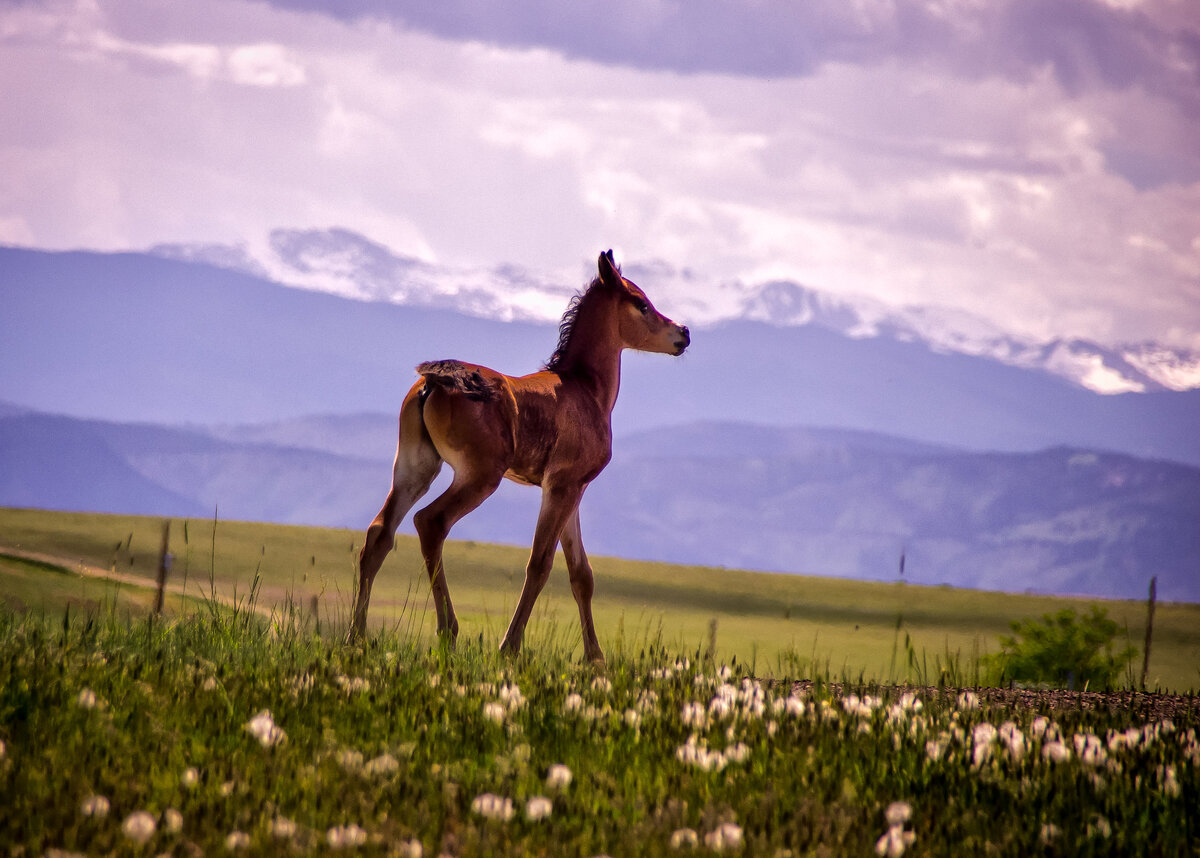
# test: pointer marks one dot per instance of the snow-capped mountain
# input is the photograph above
(346, 263)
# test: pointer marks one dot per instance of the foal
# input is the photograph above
(550, 429)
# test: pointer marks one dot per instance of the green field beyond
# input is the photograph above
(775, 625)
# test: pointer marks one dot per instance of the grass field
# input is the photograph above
(216, 730)
(776, 625)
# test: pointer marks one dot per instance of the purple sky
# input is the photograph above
(1030, 166)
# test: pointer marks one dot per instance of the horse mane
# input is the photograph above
(567, 326)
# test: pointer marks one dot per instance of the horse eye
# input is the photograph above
(640, 305)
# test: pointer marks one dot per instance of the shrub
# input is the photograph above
(1064, 650)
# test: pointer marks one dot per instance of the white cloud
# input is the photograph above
(1052, 210)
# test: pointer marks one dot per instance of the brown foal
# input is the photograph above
(551, 429)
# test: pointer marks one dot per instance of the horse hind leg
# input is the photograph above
(416, 465)
(433, 525)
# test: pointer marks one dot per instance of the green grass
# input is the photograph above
(778, 624)
(399, 741)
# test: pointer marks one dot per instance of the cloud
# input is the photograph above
(1040, 171)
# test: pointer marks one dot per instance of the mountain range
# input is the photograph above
(155, 384)
(346, 263)
(818, 501)
(141, 338)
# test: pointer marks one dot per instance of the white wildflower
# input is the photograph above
(139, 826)
(353, 685)
(573, 703)
(210, 683)
(894, 841)
(982, 737)
(968, 700)
(434, 680)
(694, 715)
(493, 806)
(95, 805)
(283, 828)
(632, 718)
(86, 699)
(1166, 777)
(172, 821)
(1056, 752)
(384, 764)
(737, 753)
(262, 726)
(684, 838)
(227, 788)
(538, 807)
(726, 837)
(601, 684)
(1099, 827)
(495, 712)
(724, 673)
(935, 748)
(1049, 833)
(1014, 740)
(898, 813)
(559, 777)
(410, 849)
(190, 777)
(1039, 726)
(510, 696)
(237, 840)
(681, 664)
(345, 836)
(1090, 749)
(350, 759)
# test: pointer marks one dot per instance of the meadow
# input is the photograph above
(216, 729)
(783, 626)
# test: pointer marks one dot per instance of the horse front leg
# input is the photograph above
(580, 571)
(558, 504)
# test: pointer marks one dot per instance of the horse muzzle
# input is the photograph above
(683, 340)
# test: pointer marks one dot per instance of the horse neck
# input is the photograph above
(593, 355)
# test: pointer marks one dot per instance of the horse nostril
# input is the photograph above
(687, 336)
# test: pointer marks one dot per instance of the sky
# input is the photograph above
(1029, 165)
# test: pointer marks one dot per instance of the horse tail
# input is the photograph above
(457, 377)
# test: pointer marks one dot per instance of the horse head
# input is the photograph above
(640, 325)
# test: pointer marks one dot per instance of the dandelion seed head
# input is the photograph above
(410, 849)
(684, 838)
(345, 836)
(493, 806)
(898, 813)
(726, 837)
(263, 727)
(139, 826)
(1056, 752)
(283, 828)
(384, 764)
(95, 805)
(538, 807)
(559, 777)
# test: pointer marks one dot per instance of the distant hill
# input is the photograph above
(821, 501)
(136, 337)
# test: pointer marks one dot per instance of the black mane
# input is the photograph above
(566, 326)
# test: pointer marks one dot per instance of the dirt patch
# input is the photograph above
(1150, 706)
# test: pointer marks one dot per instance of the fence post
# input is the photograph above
(1149, 629)
(164, 566)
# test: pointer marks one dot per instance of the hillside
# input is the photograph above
(817, 501)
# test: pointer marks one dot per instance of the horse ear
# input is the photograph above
(609, 272)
